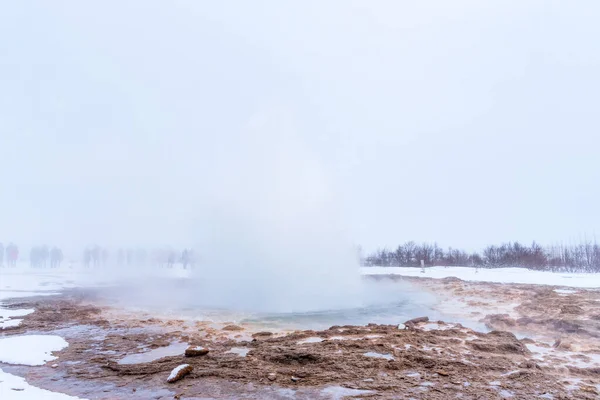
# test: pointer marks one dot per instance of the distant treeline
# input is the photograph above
(583, 257)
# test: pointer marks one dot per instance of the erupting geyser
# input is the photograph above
(272, 238)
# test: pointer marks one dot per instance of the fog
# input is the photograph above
(275, 138)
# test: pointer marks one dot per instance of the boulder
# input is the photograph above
(179, 372)
(195, 351)
(233, 328)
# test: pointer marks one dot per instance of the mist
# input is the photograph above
(271, 232)
(275, 150)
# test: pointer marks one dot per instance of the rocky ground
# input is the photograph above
(543, 343)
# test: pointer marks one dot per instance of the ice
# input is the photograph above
(16, 388)
(30, 349)
(497, 275)
(339, 392)
(173, 349)
(379, 355)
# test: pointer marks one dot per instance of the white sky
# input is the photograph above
(465, 122)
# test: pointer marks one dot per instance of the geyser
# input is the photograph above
(271, 236)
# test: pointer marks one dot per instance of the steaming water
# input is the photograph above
(382, 302)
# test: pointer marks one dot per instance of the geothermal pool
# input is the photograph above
(383, 302)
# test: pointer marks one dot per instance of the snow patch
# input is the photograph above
(7, 317)
(30, 349)
(14, 387)
(379, 355)
(311, 340)
(176, 371)
(496, 275)
(565, 291)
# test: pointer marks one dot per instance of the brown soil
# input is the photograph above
(426, 360)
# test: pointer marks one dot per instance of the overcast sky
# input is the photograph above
(465, 122)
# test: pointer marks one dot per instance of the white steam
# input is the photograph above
(270, 236)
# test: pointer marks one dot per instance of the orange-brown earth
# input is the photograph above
(543, 343)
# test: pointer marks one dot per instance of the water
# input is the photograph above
(384, 302)
(240, 351)
(173, 349)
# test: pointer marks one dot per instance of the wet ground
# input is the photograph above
(530, 342)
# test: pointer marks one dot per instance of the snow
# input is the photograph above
(6, 313)
(15, 295)
(565, 291)
(6, 317)
(379, 355)
(495, 275)
(311, 340)
(434, 326)
(176, 371)
(13, 387)
(30, 349)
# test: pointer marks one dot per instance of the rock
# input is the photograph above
(589, 389)
(233, 328)
(500, 342)
(401, 326)
(523, 321)
(179, 372)
(262, 335)
(451, 279)
(195, 351)
(566, 326)
(415, 321)
(294, 379)
(272, 376)
(495, 321)
(442, 372)
(529, 365)
(54, 365)
(571, 309)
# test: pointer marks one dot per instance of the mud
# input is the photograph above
(542, 342)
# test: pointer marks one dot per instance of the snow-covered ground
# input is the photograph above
(31, 350)
(13, 387)
(28, 350)
(495, 275)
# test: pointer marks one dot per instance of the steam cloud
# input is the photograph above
(272, 238)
